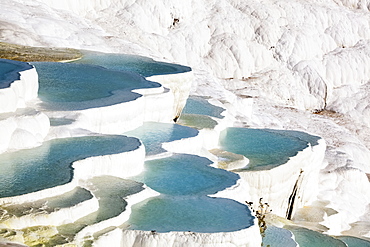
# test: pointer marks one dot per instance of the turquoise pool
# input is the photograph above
(184, 182)
(90, 81)
(200, 106)
(47, 205)
(87, 86)
(111, 193)
(184, 174)
(153, 134)
(49, 165)
(265, 148)
(308, 238)
(122, 62)
(278, 237)
(354, 242)
(196, 214)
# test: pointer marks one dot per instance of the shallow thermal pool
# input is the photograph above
(49, 165)
(200, 106)
(95, 79)
(123, 62)
(184, 182)
(197, 214)
(197, 121)
(354, 242)
(308, 238)
(9, 71)
(87, 85)
(48, 205)
(153, 134)
(265, 148)
(111, 193)
(184, 174)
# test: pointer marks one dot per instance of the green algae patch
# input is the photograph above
(40, 54)
(35, 236)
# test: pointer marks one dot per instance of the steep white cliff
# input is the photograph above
(23, 86)
(25, 128)
(21, 127)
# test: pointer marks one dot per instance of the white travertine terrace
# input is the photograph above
(249, 237)
(121, 165)
(24, 128)
(115, 222)
(179, 84)
(161, 105)
(20, 127)
(291, 58)
(57, 218)
(156, 105)
(276, 185)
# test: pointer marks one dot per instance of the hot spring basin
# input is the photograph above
(200, 106)
(183, 174)
(278, 237)
(49, 165)
(80, 86)
(308, 238)
(122, 62)
(265, 148)
(196, 214)
(111, 193)
(197, 121)
(153, 134)
(354, 242)
(50, 204)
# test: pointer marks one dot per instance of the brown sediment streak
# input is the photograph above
(293, 196)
